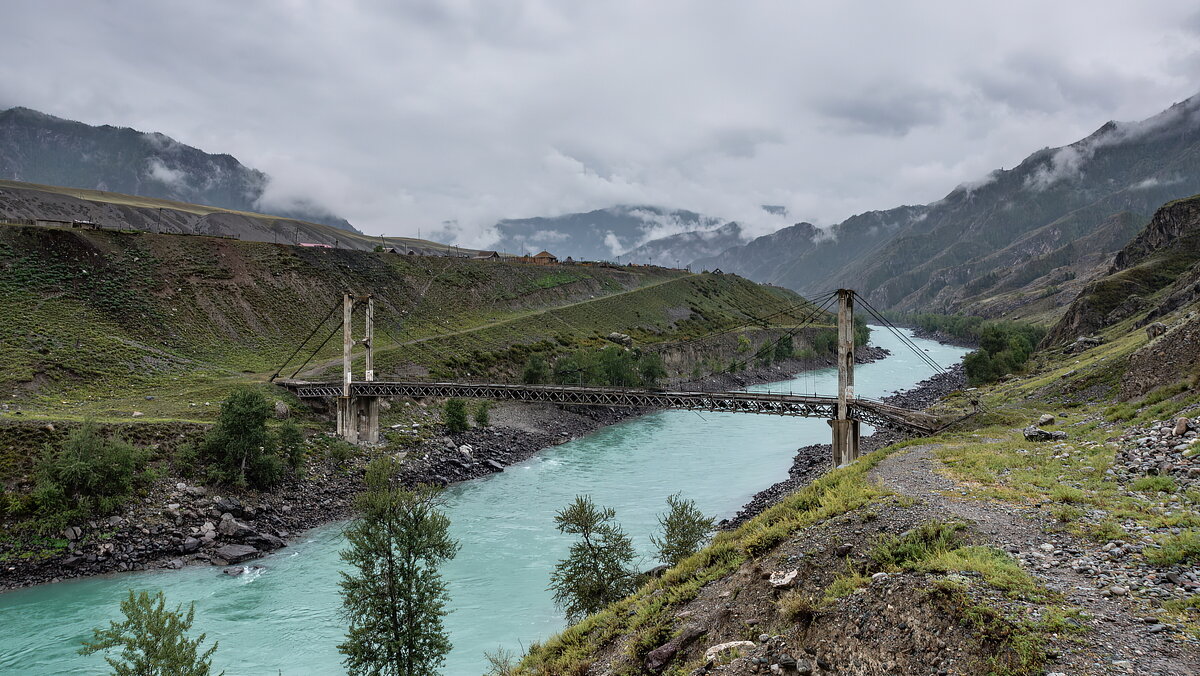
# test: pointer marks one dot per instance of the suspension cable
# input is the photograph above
(304, 342)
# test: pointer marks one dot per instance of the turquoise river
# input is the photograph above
(285, 618)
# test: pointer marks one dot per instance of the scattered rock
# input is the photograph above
(1046, 419)
(1033, 433)
(782, 579)
(282, 410)
(712, 653)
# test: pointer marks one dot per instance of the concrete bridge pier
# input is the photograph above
(845, 428)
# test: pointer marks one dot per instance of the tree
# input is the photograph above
(535, 372)
(651, 369)
(784, 348)
(482, 419)
(395, 599)
(684, 530)
(597, 570)
(239, 449)
(455, 414)
(152, 640)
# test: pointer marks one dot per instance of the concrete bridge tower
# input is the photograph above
(357, 417)
(845, 429)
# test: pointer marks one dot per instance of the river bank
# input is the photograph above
(814, 460)
(178, 523)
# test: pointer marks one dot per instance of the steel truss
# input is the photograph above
(801, 405)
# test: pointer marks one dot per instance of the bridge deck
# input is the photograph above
(804, 405)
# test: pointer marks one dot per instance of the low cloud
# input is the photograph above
(176, 178)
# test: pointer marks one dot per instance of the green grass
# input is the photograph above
(1176, 549)
(840, 491)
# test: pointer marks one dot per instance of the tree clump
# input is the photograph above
(87, 474)
(240, 450)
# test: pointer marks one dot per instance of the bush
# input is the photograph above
(455, 416)
(88, 473)
(535, 372)
(784, 348)
(482, 419)
(291, 444)
(239, 449)
(684, 530)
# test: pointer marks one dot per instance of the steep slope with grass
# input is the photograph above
(1156, 273)
(95, 321)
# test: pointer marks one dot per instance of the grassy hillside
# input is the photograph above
(92, 323)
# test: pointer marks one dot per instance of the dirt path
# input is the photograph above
(1120, 641)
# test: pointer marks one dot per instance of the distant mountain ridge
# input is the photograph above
(39, 148)
(1020, 242)
(603, 234)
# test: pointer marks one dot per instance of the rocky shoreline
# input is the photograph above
(177, 523)
(812, 461)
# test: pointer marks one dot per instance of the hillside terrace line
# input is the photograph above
(358, 400)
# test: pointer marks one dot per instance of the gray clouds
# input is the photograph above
(401, 116)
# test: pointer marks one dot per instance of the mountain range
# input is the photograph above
(604, 234)
(1020, 242)
(43, 149)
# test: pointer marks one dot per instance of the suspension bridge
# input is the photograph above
(358, 399)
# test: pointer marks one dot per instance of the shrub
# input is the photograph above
(455, 415)
(684, 530)
(239, 449)
(291, 444)
(535, 372)
(88, 473)
(482, 419)
(597, 571)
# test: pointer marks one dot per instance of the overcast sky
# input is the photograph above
(399, 115)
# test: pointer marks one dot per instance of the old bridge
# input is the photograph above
(358, 400)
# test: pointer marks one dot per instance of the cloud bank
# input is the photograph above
(451, 115)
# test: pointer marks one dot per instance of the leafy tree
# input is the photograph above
(743, 343)
(597, 570)
(482, 418)
(88, 473)
(784, 348)
(291, 444)
(535, 372)
(152, 640)
(684, 530)
(455, 414)
(394, 598)
(239, 449)
(651, 369)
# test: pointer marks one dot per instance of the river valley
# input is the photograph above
(285, 617)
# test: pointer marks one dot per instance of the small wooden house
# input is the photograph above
(545, 258)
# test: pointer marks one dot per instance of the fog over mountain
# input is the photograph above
(40, 148)
(1017, 238)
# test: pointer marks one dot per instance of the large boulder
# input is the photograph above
(236, 553)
